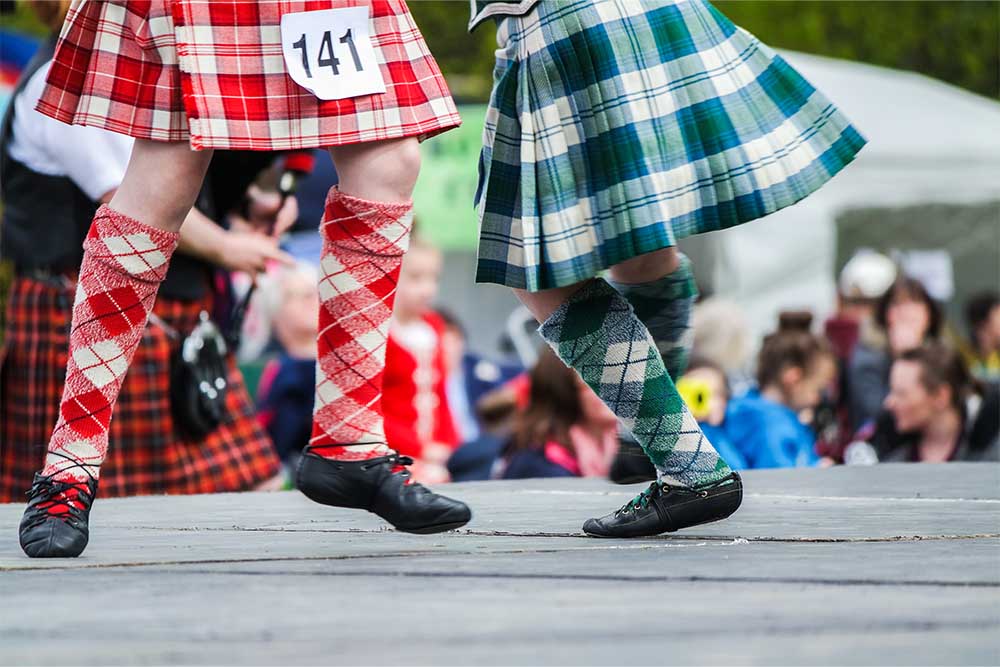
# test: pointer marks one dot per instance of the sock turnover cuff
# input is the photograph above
(367, 227)
(678, 284)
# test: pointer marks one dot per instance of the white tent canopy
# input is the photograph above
(929, 143)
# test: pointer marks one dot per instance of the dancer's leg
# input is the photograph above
(661, 288)
(594, 330)
(366, 231)
(126, 254)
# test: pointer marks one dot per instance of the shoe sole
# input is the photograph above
(662, 532)
(436, 528)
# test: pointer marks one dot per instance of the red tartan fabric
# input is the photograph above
(145, 455)
(363, 247)
(212, 73)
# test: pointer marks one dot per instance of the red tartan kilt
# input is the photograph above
(146, 455)
(212, 73)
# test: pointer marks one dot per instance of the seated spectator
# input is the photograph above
(905, 318)
(705, 389)
(470, 377)
(418, 419)
(496, 412)
(565, 431)
(769, 425)
(982, 313)
(285, 393)
(936, 411)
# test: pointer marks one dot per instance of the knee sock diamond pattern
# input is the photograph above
(124, 262)
(363, 247)
(664, 306)
(597, 334)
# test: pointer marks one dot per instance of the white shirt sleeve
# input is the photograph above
(94, 159)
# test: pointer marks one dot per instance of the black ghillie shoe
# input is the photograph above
(381, 486)
(663, 508)
(55, 522)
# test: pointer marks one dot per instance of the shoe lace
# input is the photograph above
(641, 501)
(64, 499)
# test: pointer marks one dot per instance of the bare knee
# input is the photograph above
(380, 171)
(646, 268)
(543, 303)
(161, 183)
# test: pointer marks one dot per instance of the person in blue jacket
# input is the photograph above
(770, 424)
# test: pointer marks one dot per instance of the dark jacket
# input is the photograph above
(867, 383)
(979, 441)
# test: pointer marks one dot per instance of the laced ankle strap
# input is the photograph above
(68, 500)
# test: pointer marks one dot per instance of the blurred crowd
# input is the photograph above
(886, 378)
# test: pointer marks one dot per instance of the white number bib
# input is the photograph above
(329, 53)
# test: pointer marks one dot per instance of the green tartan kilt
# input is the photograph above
(616, 127)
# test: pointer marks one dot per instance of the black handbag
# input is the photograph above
(198, 380)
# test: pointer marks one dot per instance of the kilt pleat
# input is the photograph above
(616, 128)
(146, 455)
(212, 73)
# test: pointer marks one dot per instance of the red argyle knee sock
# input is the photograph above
(363, 247)
(124, 262)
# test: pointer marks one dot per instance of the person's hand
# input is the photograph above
(424, 472)
(250, 252)
(435, 452)
(267, 212)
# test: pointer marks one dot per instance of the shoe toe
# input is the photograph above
(459, 512)
(53, 539)
(595, 527)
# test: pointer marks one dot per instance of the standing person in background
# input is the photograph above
(906, 317)
(982, 355)
(771, 425)
(613, 130)
(418, 419)
(55, 177)
(936, 411)
(862, 282)
(170, 74)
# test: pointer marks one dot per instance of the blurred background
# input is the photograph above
(896, 261)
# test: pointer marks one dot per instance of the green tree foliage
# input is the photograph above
(955, 41)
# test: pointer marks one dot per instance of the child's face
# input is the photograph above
(805, 390)
(418, 281)
(295, 319)
(714, 384)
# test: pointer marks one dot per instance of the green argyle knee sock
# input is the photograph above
(664, 306)
(597, 334)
